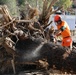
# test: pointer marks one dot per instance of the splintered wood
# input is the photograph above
(6, 19)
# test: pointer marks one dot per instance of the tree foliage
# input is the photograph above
(64, 3)
(20, 2)
(12, 4)
(39, 3)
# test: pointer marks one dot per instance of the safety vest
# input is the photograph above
(65, 30)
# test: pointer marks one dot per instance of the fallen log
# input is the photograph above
(32, 50)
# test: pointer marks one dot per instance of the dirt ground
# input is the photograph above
(39, 72)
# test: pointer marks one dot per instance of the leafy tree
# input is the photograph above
(21, 2)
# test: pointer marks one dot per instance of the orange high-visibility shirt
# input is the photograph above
(66, 32)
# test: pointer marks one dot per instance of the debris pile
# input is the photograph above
(22, 43)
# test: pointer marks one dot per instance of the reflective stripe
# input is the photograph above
(63, 28)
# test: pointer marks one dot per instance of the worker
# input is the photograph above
(64, 31)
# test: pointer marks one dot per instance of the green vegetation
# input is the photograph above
(11, 5)
(16, 5)
(65, 3)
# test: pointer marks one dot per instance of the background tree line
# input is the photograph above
(16, 5)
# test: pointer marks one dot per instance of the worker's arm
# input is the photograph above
(58, 33)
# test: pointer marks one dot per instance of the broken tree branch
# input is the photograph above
(51, 4)
(48, 15)
(24, 21)
(47, 25)
(8, 23)
(6, 11)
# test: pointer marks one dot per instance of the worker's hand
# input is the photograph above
(58, 32)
